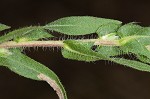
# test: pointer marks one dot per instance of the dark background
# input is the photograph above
(97, 80)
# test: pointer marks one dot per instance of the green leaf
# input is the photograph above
(133, 64)
(144, 40)
(34, 35)
(76, 50)
(3, 27)
(76, 25)
(107, 28)
(143, 59)
(128, 29)
(26, 34)
(27, 67)
(134, 46)
(16, 33)
(144, 31)
(109, 50)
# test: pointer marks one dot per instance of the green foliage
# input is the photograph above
(3, 27)
(107, 28)
(29, 33)
(109, 51)
(136, 47)
(144, 59)
(79, 25)
(80, 51)
(129, 29)
(131, 39)
(144, 31)
(23, 65)
(133, 64)
(16, 33)
(34, 35)
(27, 67)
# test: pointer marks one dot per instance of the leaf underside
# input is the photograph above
(27, 67)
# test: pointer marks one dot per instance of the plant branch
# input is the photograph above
(12, 44)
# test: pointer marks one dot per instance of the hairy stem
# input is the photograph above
(12, 44)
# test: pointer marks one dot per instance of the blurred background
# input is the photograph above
(96, 80)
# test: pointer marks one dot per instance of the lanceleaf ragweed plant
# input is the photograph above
(113, 43)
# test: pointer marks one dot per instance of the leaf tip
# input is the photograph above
(53, 84)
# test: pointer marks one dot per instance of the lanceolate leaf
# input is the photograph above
(135, 47)
(34, 35)
(79, 25)
(133, 64)
(80, 51)
(144, 31)
(113, 40)
(3, 27)
(144, 40)
(143, 58)
(27, 67)
(129, 29)
(109, 50)
(107, 28)
(17, 33)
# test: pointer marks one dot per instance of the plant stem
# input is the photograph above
(12, 44)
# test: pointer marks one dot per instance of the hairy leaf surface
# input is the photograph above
(76, 25)
(27, 67)
(144, 31)
(80, 51)
(16, 33)
(107, 28)
(34, 35)
(109, 50)
(129, 29)
(3, 27)
(133, 64)
(143, 58)
(134, 46)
